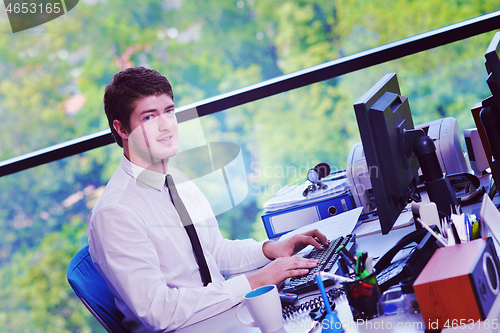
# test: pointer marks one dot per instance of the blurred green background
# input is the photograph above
(52, 79)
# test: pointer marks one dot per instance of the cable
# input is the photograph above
(314, 303)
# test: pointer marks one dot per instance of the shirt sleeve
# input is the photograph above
(120, 247)
(232, 256)
(236, 256)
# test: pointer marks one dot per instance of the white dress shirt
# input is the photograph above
(139, 245)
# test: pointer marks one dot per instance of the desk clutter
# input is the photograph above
(358, 281)
(460, 280)
(451, 274)
(446, 272)
(458, 284)
(323, 195)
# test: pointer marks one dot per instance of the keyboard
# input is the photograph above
(327, 261)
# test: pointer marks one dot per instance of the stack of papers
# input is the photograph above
(291, 196)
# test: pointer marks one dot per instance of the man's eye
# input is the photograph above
(170, 111)
(148, 117)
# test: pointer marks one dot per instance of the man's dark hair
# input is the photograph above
(127, 87)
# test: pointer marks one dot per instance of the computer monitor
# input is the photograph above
(490, 114)
(383, 116)
(395, 150)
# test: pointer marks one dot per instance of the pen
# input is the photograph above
(468, 227)
(455, 233)
(358, 264)
(336, 277)
(364, 256)
(349, 259)
(361, 263)
(344, 270)
(342, 249)
(438, 237)
(475, 230)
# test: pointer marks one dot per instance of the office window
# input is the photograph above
(287, 134)
(52, 82)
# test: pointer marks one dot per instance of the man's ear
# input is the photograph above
(120, 129)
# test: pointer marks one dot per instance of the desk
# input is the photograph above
(226, 322)
(377, 245)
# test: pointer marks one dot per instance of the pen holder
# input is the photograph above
(363, 295)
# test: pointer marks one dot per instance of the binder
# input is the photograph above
(282, 221)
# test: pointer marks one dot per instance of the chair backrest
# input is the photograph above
(93, 291)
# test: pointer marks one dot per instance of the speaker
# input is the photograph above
(459, 284)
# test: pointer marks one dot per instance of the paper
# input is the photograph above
(373, 226)
(291, 196)
(489, 218)
(459, 222)
(332, 227)
(294, 219)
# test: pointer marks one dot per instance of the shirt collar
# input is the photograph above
(144, 177)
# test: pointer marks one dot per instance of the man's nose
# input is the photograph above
(164, 122)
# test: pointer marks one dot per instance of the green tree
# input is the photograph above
(34, 293)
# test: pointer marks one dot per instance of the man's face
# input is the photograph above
(154, 136)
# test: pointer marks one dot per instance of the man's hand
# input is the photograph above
(280, 269)
(292, 245)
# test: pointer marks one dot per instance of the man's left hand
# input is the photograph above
(291, 245)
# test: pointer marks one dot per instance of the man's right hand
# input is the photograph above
(280, 269)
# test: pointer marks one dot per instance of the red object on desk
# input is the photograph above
(459, 284)
(362, 289)
(476, 110)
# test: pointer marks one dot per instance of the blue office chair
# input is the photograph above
(90, 287)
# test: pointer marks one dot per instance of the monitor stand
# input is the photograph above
(437, 184)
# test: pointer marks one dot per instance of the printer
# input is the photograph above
(446, 136)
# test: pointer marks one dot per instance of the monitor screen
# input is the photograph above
(383, 115)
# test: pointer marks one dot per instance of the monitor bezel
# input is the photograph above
(388, 207)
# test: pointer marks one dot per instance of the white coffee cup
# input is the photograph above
(264, 306)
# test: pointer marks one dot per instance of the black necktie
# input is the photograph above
(191, 231)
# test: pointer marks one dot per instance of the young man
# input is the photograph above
(137, 240)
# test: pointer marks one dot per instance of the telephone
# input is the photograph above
(467, 187)
(391, 273)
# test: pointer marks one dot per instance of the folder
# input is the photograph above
(282, 221)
